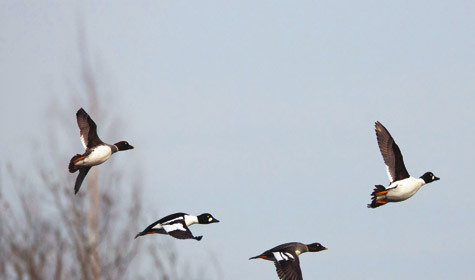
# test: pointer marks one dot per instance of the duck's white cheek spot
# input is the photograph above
(433, 177)
(210, 219)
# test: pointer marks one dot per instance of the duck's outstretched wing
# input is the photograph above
(87, 130)
(179, 230)
(391, 154)
(287, 266)
(82, 174)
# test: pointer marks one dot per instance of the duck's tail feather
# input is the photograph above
(258, 257)
(150, 231)
(72, 167)
(377, 189)
(376, 202)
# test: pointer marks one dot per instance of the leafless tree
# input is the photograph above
(47, 232)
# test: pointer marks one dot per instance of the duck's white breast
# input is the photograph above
(404, 189)
(98, 155)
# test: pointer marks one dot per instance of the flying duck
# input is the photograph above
(402, 186)
(177, 225)
(97, 151)
(286, 258)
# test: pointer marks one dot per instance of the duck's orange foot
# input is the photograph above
(78, 159)
(381, 193)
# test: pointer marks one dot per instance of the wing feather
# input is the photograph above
(179, 230)
(289, 269)
(87, 129)
(80, 178)
(391, 154)
(165, 220)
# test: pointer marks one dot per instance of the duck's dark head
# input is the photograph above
(429, 177)
(123, 145)
(316, 247)
(207, 218)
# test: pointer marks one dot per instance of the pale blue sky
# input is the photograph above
(262, 113)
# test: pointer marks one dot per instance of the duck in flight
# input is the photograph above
(286, 258)
(176, 225)
(402, 186)
(97, 151)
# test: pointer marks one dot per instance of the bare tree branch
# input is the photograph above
(47, 232)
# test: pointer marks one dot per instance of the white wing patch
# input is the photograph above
(282, 256)
(391, 179)
(173, 227)
(83, 141)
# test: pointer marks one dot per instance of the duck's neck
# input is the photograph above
(114, 148)
(190, 220)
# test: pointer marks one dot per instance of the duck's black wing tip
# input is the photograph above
(82, 174)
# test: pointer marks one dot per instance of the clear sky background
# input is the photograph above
(262, 113)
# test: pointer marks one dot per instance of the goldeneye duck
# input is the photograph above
(402, 186)
(97, 151)
(286, 258)
(176, 225)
